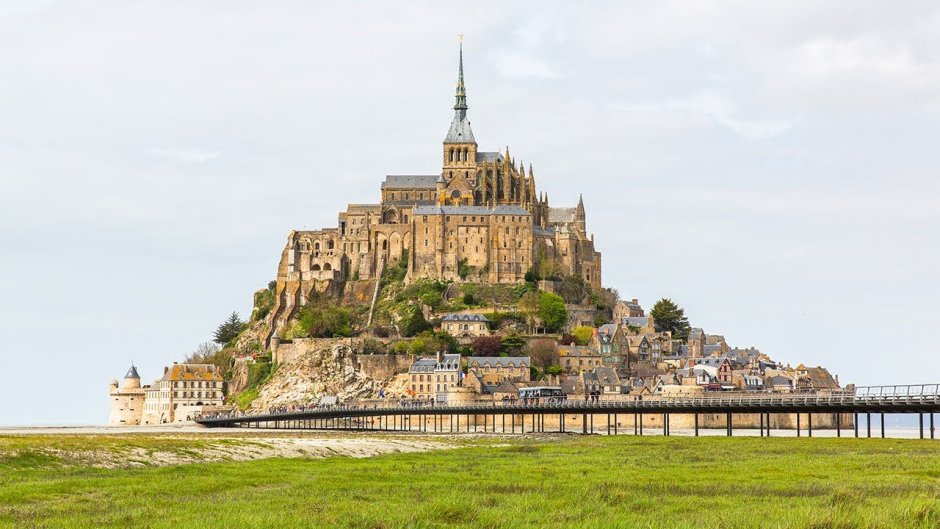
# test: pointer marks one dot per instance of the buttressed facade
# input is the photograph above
(481, 217)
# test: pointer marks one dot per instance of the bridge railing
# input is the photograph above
(897, 395)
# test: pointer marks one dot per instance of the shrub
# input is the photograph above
(487, 346)
(553, 370)
(401, 347)
(323, 320)
(395, 273)
(513, 343)
(371, 346)
(582, 334)
(418, 346)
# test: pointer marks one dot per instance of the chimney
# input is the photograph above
(438, 356)
(636, 301)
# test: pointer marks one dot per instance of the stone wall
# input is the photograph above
(383, 366)
(286, 351)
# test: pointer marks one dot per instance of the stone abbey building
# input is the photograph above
(481, 217)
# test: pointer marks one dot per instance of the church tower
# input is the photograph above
(460, 148)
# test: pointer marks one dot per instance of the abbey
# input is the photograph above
(480, 219)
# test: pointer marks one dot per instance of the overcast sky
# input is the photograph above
(772, 168)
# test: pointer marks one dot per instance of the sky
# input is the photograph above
(770, 166)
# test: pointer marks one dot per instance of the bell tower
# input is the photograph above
(460, 148)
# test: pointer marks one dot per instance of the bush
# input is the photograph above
(371, 346)
(464, 269)
(552, 311)
(487, 346)
(395, 273)
(320, 320)
(582, 334)
(418, 346)
(401, 347)
(263, 302)
(553, 370)
(469, 300)
(513, 344)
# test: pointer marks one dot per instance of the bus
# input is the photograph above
(542, 395)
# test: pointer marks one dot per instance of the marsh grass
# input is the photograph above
(589, 482)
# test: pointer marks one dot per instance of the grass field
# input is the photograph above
(596, 482)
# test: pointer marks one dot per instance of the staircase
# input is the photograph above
(375, 292)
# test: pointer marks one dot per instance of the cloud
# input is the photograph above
(522, 65)
(185, 156)
(724, 112)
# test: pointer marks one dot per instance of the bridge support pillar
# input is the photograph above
(868, 423)
(615, 423)
(838, 425)
(729, 426)
(641, 424)
(665, 425)
(696, 425)
(583, 423)
(761, 424)
(931, 425)
(797, 424)
(855, 422)
(920, 423)
(809, 423)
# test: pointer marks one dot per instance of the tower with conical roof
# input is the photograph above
(460, 148)
(127, 400)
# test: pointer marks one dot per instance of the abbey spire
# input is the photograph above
(459, 131)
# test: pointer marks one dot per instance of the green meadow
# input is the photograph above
(569, 481)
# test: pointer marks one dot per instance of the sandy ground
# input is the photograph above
(217, 444)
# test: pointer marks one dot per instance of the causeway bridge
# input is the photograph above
(841, 407)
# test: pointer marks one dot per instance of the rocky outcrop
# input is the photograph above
(324, 369)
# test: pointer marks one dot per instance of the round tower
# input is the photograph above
(131, 379)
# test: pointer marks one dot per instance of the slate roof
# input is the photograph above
(423, 365)
(561, 214)
(490, 157)
(606, 376)
(459, 131)
(400, 181)
(449, 361)
(636, 321)
(714, 361)
(505, 361)
(132, 372)
(543, 232)
(464, 317)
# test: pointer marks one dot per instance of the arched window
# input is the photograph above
(326, 266)
(330, 244)
(315, 267)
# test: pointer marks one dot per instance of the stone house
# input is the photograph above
(465, 327)
(514, 368)
(431, 378)
(722, 364)
(182, 393)
(578, 358)
(627, 309)
(613, 344)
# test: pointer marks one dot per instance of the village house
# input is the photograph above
(613, 344)
(432, 378)
(722, 364)
(627, 309)
(513, 368)
(465, 327)
(578, 358)
(182, 393)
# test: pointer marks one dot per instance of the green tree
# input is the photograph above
(416, 323)
(582, 334)
(529, 307)
(401, 347)
(552, 311)
(228, 330)
(670, 317)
